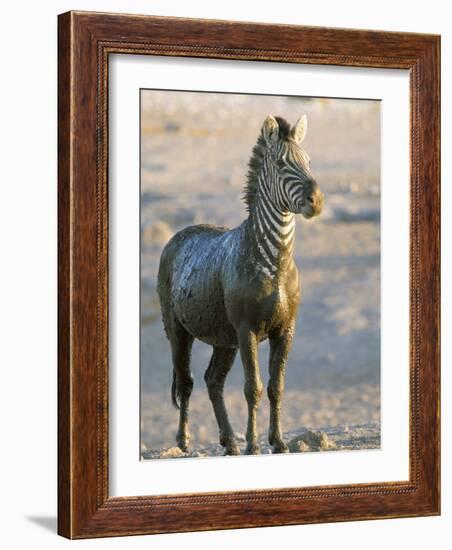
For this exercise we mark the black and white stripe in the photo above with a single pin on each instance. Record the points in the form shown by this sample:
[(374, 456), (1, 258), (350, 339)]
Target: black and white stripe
[(281, 193)]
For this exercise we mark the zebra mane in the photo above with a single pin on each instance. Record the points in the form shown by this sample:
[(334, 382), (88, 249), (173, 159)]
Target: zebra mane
[(251, 186)]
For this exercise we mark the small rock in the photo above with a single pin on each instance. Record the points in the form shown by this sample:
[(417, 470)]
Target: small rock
[(310, 441), (172, 452), (297, 445)]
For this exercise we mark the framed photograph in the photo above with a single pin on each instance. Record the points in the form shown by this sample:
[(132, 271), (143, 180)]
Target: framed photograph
[(248, 275)]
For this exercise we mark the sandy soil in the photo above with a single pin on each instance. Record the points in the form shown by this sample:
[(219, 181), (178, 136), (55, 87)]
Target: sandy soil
[(305, 440), (195, 149)]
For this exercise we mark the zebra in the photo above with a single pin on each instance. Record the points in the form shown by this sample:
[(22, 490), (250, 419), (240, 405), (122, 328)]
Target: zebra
[(234, 288)]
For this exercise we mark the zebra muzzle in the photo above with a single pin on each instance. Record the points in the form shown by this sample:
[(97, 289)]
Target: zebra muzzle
[(313, 205)]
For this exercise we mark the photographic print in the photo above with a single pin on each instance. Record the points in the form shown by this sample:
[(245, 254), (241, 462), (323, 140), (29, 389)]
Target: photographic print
[(248, 275), (260, 274)]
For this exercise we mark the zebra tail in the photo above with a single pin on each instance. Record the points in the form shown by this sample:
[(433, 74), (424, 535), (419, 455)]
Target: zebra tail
[(174, 391)]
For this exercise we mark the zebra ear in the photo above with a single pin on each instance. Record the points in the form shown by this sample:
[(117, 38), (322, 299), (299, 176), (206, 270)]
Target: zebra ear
[(270, 130), (299, 130)]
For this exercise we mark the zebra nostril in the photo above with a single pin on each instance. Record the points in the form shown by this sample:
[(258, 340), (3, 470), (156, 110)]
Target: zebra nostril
[(311, 199)]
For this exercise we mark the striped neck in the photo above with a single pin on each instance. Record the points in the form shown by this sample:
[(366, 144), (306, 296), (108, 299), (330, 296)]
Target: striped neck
[(272, 233)]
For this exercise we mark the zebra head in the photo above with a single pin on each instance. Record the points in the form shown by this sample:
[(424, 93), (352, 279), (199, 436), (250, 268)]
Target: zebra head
[(288, 180)]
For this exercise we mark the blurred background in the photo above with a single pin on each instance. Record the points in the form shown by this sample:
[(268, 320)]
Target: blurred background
[(194, 153)]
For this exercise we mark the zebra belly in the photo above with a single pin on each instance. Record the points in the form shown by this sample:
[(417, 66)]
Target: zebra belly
[(204, 317)]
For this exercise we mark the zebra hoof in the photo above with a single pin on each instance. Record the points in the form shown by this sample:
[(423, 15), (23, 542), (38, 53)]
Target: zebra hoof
[(280, 448), (252, 450), (182, 443), (230, 445), (232, 450)]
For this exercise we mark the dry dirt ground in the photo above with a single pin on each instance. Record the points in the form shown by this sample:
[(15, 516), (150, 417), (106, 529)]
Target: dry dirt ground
[(194, 154)]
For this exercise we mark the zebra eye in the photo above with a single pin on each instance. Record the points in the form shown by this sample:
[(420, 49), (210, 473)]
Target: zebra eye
[(280, 164)]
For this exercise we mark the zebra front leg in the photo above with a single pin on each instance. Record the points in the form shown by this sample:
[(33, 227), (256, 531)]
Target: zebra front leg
[(215, 376), (279, 349), (253, 386)]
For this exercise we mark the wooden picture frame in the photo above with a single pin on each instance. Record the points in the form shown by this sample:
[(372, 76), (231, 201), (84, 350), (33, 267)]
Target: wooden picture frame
[(85, 42)]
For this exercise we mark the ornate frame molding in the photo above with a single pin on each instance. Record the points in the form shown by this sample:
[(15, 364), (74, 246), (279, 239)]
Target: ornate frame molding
[(85, 42)]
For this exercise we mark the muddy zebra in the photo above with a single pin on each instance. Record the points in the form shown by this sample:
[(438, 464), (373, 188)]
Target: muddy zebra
[(234, 288)]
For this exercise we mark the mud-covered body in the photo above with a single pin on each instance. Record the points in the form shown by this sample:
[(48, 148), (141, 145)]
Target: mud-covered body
[(209, 282)]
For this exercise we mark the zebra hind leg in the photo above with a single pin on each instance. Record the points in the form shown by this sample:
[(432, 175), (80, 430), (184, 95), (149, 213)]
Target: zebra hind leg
[(215, 376), (181, 344)]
